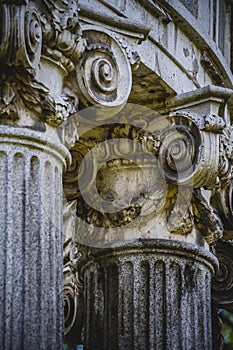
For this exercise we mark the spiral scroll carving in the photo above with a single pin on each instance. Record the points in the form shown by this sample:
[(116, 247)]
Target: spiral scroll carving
[(187, 154), (33, 37), (78, 171), (70, 305), (222, 288), (20, 36), (179, 150), (104, 73)]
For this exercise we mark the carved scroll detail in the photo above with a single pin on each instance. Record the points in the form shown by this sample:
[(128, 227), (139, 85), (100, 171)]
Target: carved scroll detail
[(29, 30), (222, 287), (20, 36), (189, 149), (104, 72), (184, 150)]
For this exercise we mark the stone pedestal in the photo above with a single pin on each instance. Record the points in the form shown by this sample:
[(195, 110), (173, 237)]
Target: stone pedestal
[(31, 289), (148, 294)]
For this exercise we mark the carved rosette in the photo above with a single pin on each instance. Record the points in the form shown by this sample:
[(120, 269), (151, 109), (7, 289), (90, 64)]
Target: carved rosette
[(104, 72)]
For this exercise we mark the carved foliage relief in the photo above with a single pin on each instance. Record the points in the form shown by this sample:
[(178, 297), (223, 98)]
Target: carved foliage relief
[(129, 165), (93, 65), (30, 31), (171, 160)]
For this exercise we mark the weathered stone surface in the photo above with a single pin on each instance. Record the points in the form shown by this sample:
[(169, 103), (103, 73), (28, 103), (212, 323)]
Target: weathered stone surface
[(139, 175), (149, 294), (223, 281), (31, 292), (148, 193), (33, 101)]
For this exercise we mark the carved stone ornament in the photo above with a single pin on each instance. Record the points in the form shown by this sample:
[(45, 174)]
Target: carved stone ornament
[(206, 218), (104, 72), (222, 287), (179, 211), (189, 152), (222, 196), (21, 34), (31, 33), (167, 167), (48, 33), (73, 294)]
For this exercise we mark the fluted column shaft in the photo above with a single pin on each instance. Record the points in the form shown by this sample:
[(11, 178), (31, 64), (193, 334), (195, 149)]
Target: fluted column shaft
[(151, 294), (31, 298)]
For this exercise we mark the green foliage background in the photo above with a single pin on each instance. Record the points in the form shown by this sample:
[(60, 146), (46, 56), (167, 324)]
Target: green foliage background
[(227, 319)]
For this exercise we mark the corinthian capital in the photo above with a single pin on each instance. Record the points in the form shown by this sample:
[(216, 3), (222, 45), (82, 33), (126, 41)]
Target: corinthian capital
[(39, 45), (48, 63)]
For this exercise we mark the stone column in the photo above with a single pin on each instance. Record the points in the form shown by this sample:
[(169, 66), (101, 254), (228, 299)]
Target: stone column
[(148, 294), (39, 45), (31, 298), (146, 229)]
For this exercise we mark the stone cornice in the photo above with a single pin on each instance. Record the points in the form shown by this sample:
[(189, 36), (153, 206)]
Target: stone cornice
[(120, 24), (187, 22)]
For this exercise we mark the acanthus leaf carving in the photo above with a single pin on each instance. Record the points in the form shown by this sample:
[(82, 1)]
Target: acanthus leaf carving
[(64, 14), (27, 33), (206, 218), (20, 84), (8, 105), (222, 195), (179, 213)]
